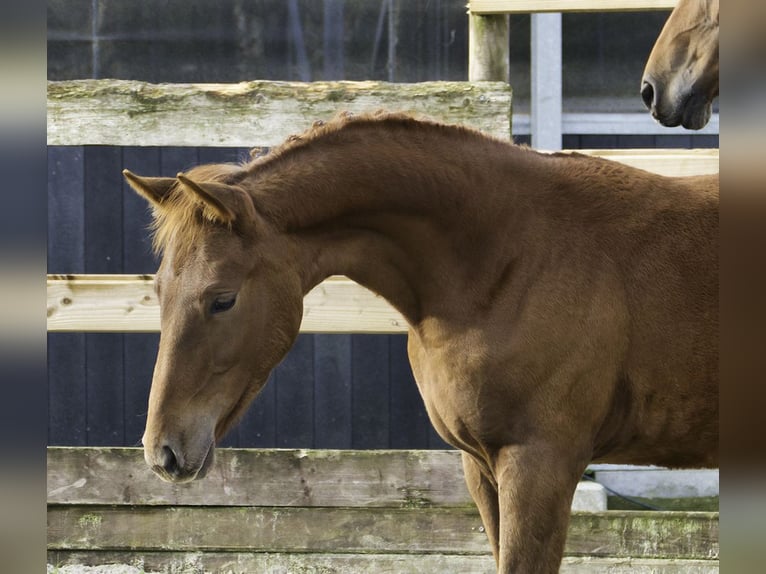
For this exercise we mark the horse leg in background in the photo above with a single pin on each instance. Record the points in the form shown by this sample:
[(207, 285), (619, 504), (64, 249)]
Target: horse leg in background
[(535, 487), (484, 494)]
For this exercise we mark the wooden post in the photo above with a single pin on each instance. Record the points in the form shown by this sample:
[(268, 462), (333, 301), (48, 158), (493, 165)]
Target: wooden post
[(488, 41)]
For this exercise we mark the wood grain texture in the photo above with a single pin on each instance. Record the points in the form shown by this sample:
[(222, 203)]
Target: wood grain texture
[(127, 303), (69, 562), (281, 477), (260, 113), (361, 530), (119, 562), (532, 6), (326, 511)]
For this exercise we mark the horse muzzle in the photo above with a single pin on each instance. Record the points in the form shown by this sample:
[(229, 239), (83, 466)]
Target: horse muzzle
[(171, 465)]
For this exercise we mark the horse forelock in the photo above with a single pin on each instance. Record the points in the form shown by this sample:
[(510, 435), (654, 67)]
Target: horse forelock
[(182, 219)]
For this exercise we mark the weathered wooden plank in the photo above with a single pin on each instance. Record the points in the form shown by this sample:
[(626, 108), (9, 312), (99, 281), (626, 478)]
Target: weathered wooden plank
[(119, 112), (686, 535), (121, 562), (263, 478), (669, 162), (127, 303), (488, 48), (533, 6), (267, 529)]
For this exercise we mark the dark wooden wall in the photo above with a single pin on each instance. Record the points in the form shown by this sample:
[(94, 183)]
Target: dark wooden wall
[(332, 391)]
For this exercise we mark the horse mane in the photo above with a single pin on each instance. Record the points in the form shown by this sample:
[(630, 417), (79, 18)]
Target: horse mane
[(183, 218), (260, 158)]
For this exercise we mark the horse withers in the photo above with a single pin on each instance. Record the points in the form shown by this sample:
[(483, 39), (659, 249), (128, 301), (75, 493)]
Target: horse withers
[(562, 309), (680, 79)]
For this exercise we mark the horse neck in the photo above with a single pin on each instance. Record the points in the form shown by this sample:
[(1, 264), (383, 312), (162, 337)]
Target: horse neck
[(394, 212)]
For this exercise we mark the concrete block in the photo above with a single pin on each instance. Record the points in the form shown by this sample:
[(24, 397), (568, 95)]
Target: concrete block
[(589, 497), (657, 482)]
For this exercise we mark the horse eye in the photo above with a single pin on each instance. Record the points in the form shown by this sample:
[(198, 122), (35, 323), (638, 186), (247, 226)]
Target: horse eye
[(223, 303)]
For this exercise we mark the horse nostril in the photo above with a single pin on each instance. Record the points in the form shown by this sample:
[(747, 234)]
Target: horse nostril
[(647, 94), (169, 461)]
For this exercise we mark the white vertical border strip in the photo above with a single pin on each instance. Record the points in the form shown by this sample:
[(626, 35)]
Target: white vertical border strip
[(546, 92)]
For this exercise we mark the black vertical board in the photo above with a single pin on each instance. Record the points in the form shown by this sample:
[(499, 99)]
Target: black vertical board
[(590, 141), (295, 396), (409, 421), (370, 394), (570, 141), (103, 209), (177, 159), (635, 141), (66, 254), (223, 154), (332, 391), (140, 353), (140, 349), (258, 428), (705, 141), (138, 257), (66, 210), (67, 416), (671, 140), (103, 254), (332, 41)]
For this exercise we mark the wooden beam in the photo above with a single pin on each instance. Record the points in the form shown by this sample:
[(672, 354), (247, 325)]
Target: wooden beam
[(685, 535), (369, 562), (532, 6), (488, 48), (127, 303), (263, 477), (670, 162), (260, 113)]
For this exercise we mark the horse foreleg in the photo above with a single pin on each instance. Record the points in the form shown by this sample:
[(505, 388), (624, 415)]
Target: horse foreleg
[(484, 494), (535, 490)]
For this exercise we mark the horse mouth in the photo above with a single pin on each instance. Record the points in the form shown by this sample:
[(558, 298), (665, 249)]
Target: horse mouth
[(693, 112), (171, 470), (696, 114)]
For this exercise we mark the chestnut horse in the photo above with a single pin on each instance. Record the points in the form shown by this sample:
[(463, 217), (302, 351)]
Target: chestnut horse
[(562, 309), (681, 76)]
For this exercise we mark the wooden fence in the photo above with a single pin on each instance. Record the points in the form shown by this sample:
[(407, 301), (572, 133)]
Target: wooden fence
[(264, 113), (490, 42), (301, 511), (285, 511)]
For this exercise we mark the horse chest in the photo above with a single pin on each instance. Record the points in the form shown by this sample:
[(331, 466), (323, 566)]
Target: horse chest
[(459, 397)]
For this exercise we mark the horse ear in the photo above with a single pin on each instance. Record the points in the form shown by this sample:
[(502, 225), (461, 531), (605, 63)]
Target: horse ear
[(225, 201), (153, 189)]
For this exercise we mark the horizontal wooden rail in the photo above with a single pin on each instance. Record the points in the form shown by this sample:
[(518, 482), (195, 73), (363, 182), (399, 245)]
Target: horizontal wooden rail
[(669, 162), (259, 113), (533, 6), (353, 511), (624, 534), (127, 303)]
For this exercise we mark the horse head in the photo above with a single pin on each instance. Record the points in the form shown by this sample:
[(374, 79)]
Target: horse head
[(681, 76), (229, 311)]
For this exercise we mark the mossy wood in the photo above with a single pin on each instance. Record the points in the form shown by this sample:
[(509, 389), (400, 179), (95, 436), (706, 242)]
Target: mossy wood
[(259, 113), (532, 6), (688, 535), (256, 477), (335, 511), (335, 563)]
